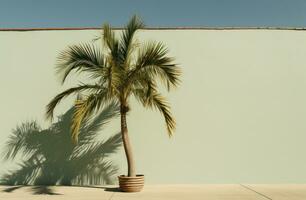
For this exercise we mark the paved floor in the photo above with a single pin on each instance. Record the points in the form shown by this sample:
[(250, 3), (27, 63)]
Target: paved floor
[(154, 192)]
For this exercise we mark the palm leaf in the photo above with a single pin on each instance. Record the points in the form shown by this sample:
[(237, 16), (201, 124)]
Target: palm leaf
[(127, 44), (152, 99), (75, 90), (152, 61), (81, 58), (84, 108)]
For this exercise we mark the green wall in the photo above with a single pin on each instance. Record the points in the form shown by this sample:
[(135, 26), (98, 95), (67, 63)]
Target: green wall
[(240, 110)]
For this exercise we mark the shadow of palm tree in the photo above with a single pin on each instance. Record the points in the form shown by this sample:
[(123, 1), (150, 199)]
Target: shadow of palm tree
[(50, 157), (12, 189), (42, 189)]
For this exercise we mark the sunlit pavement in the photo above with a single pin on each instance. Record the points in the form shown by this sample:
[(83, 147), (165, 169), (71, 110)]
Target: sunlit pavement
[(164, 192)]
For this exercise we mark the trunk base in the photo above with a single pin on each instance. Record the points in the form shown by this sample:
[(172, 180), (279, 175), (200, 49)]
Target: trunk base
[(131, 184)]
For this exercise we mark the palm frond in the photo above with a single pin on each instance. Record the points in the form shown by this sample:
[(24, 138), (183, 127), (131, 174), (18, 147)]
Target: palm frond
[(127, 44), (153, 61), (162, 105), (144, 83), (114, 72), (82, 57), (108, 37), (75, 90), (152, 99), (85, 108), (111, 42)]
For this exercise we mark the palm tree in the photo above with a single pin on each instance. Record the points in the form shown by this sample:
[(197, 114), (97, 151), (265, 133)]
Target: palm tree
[(123, 68), (62, 162)]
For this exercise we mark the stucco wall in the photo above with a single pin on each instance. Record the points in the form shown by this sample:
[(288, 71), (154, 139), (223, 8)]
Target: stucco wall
[(240, 110)]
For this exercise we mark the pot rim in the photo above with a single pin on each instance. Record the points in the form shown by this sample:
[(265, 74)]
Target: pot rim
[(130, 177)]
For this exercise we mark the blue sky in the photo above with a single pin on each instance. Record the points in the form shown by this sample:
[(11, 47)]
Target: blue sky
[(156, 13)]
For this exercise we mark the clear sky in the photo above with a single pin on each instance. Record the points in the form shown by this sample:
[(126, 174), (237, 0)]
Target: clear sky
[(156, 13)]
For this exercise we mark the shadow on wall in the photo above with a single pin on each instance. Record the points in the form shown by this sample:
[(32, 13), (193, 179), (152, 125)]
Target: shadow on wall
[(50, 157)]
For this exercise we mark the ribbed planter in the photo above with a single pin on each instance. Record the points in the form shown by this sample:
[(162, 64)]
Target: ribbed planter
[(131, 184)]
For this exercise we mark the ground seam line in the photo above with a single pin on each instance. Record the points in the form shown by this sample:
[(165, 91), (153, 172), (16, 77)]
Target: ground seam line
[(248, 188), (111, 197)]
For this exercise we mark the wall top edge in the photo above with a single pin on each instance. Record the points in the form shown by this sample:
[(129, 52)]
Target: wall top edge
[(157, 28)]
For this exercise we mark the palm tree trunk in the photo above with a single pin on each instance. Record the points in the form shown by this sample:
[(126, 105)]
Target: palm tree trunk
[(127, 145)]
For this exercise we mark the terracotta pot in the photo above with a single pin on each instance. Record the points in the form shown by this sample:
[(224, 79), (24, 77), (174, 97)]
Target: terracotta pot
[(131, 184)]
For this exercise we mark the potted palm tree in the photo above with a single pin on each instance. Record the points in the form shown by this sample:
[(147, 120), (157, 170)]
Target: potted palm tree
[(121, 69)]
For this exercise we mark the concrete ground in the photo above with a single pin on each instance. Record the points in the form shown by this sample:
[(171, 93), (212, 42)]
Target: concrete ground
[(154, 192)]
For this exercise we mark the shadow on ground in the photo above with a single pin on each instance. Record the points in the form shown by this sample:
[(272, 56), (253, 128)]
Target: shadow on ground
[(112, 189), (47, 190), (43, 190), (11, 189), (36, 190)]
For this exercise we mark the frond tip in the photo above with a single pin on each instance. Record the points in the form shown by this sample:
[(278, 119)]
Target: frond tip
[(158, 101), (127, 42)]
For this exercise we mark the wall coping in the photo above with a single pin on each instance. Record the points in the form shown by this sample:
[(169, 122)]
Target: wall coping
[(156, 28)]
